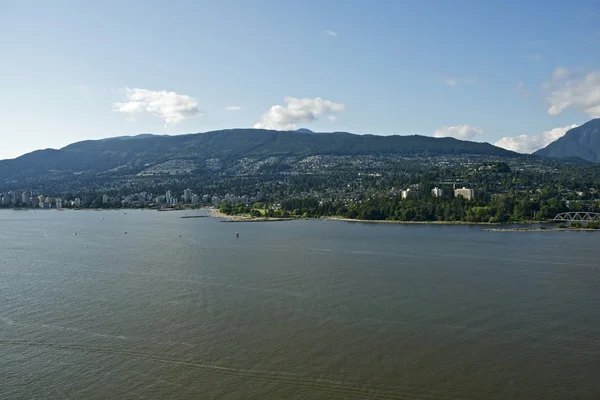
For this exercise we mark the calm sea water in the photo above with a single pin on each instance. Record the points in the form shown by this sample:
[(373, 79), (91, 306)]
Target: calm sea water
[(182, 309)]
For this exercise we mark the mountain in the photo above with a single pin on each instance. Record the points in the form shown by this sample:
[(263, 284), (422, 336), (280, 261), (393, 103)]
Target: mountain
[(582, 142), (140, 136), (133, 155)]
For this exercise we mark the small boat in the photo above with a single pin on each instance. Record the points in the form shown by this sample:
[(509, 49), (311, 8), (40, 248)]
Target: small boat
[(237, 234)]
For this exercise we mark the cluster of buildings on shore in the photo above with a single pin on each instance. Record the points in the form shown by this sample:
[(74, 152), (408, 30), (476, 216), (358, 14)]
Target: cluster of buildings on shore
[(169, 199), (27, 199), (415, 193)]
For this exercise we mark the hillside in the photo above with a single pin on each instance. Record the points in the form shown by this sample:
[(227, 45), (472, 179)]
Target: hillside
[(100, 156), (582, 142)]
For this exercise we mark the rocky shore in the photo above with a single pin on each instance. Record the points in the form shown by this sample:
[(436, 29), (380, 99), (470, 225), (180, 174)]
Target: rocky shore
[(215, 213)]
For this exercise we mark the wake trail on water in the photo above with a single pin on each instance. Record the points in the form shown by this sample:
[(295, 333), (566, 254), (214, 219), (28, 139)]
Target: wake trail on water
[(54, 327), (336, 387), (192, 279)]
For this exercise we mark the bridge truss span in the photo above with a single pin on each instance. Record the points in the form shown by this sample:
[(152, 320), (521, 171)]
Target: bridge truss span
[(577, 216)]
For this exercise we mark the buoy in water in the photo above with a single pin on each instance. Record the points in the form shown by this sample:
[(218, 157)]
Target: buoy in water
[(124, 233)]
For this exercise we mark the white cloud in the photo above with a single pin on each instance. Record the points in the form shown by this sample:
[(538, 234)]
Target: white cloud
[(297, 111), (535, 56), (454, 82), (450, 82), (531, 143), (332, 118), (569, 89), (168, 106), (522, 91), (463, 132), (560, 73), (233, 108), (331, 33)]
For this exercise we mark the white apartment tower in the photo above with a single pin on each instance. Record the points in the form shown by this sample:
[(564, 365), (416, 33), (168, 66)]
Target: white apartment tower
[(437, 192), (467, 194), (410, 194)]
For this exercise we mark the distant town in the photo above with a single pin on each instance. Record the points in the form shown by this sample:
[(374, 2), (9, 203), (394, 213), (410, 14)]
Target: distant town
[(443, 188), (29, 199)]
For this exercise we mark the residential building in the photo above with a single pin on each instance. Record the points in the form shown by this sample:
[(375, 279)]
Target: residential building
[(437, 192), (58, 202), (410, 194), (467, 194), (187, 195)]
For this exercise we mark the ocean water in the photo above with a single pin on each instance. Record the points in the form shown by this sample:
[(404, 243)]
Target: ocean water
[(182, 309)]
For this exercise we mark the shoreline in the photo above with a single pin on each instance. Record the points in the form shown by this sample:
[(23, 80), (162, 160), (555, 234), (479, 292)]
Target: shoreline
[(215, 213), (385, 221), (554, 229)]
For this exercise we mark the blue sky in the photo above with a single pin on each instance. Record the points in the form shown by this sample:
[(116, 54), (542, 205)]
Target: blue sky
[(480, 70)]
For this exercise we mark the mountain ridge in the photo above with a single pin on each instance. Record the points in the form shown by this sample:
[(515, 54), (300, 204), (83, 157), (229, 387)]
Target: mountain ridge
[(582, 141), (100, 156)]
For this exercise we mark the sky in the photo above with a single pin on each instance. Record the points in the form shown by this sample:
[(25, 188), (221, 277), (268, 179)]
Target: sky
[(515, 73)]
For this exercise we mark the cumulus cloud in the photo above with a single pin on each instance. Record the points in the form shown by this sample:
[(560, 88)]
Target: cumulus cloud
[(580, 91), (233, 108), (531, 143), (463, 132), (168, 106), (297, 111), (331, 33)]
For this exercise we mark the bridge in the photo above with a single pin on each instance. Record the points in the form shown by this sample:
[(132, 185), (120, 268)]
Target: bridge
[(577, 216)]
